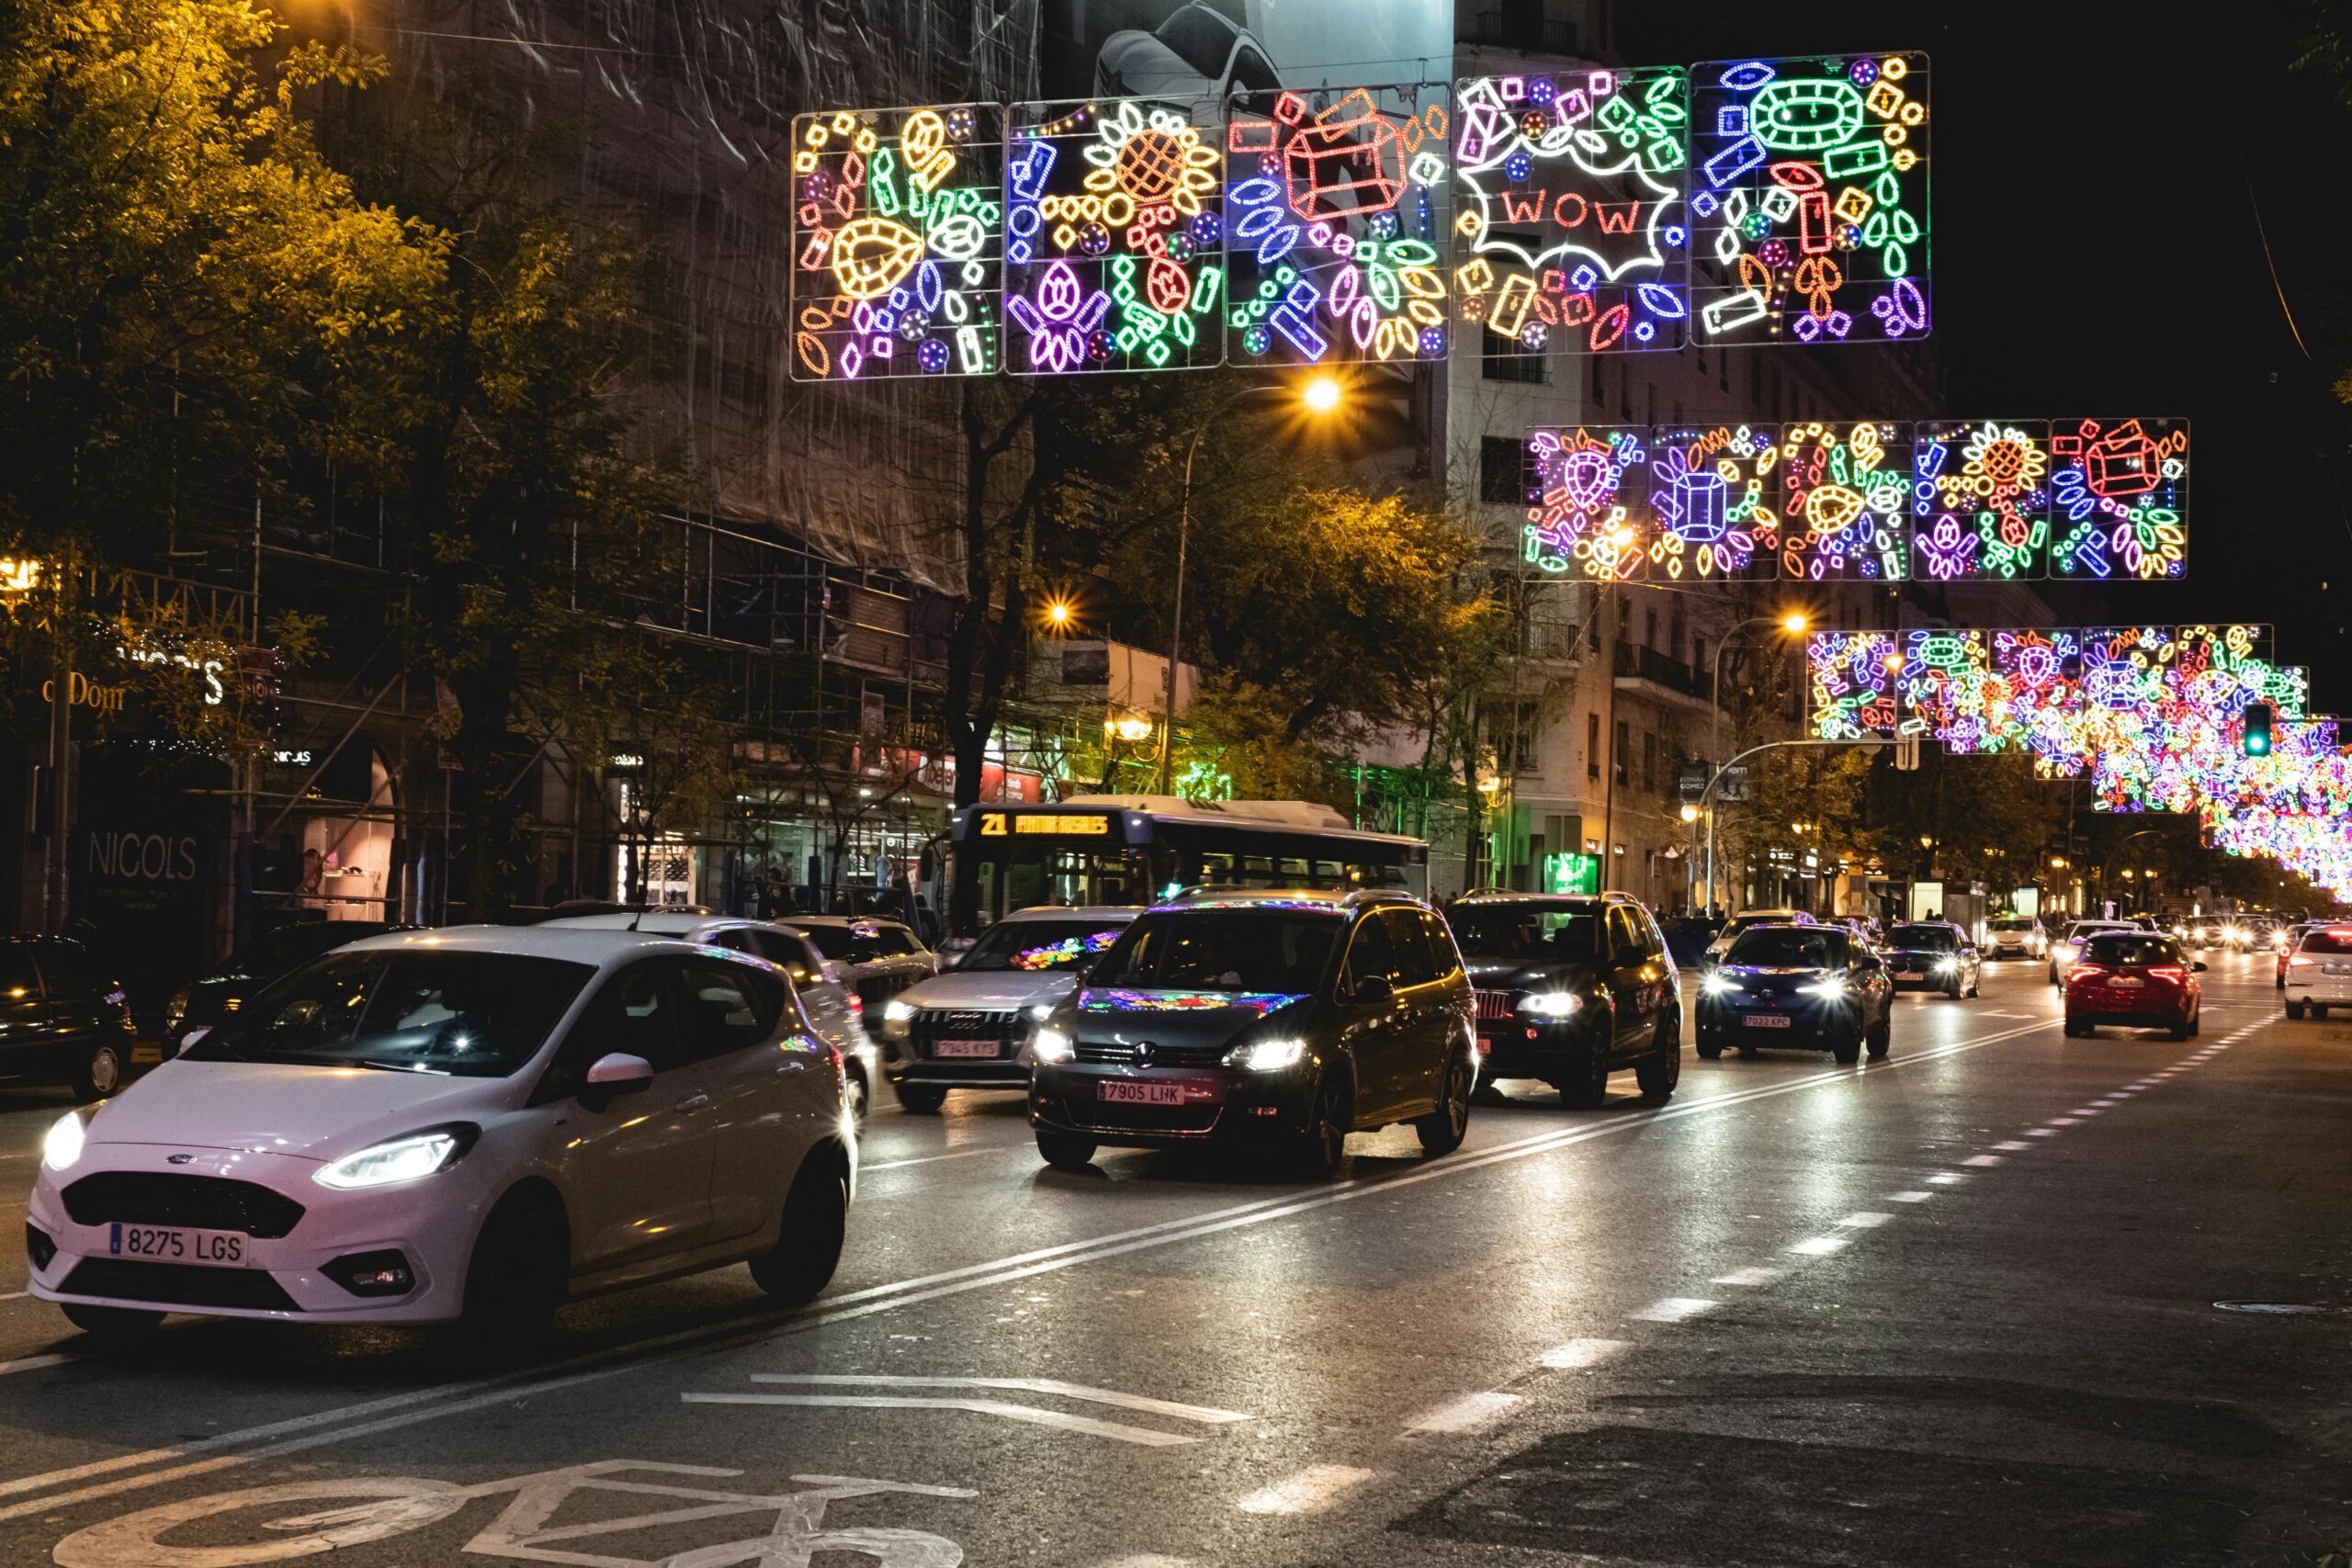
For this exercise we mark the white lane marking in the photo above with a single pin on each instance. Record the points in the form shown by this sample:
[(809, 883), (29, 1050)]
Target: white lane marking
[(1909, 1197), (1314, 1490), (1673, 1309), (458, 1399), (1867, 1219), (931, 1159), (1467, 1414), (2041, 1132), (1147, 1559), (2013, 1146), (1169, 1407), (2060, 1121), (1981, 1161), (15, 1296), (1818, 1246), (1578, 1354), (1003, 1409), (34, 1363), (1947, 1179), (1756, 1274)]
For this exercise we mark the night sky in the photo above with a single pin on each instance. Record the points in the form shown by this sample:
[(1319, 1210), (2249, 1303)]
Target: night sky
[(2096, 252)]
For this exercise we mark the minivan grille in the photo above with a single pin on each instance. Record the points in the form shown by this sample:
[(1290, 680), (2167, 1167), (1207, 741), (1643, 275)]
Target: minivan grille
[(158, 1198), (1108, 1054), (1495, 1004)]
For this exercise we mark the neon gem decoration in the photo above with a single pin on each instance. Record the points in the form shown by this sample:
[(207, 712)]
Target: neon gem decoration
[(1335, 225), (1808, 193), (897, 242), (2119, 495), (1114, 250)]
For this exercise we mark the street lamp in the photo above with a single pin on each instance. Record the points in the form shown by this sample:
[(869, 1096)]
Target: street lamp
[(1320, 395), (1793, 622)]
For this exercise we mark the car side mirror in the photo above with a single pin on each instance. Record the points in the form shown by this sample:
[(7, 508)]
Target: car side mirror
[(1374, 990), (2198, 967), (614, 1073)]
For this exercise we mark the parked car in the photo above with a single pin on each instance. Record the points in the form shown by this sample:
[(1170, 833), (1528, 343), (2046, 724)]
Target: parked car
[(1814, 987), (2290, 936), (1570, 990), (260, 961), (2063, 951), (881, 957), (1194, 58), (2016, 936), (835, 1012), (467, 1124), (1748, 919), (2137, 979), (968, 1026), (2319, 971), (1284, 1020), (1933, 956), (62, 1017)]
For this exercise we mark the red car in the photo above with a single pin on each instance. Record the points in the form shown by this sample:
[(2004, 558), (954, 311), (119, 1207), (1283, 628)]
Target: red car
[(2135, 979)]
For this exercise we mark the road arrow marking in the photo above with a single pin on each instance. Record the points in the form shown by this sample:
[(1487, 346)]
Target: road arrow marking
[(1167, 1407), (1001, 1408)]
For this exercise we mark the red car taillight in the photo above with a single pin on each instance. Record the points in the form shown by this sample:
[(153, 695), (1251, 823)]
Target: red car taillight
[(857, 1005), (2087, 971), (2168, 972)]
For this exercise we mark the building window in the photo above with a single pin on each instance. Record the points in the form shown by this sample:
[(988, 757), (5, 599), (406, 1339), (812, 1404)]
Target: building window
[(1649, 762), (1674, 631), (1592, 627), (1506, 359), (1699, 654), (1502, 470), (1624, 744), (1649, 630), (1510, 733), (1592, 745)]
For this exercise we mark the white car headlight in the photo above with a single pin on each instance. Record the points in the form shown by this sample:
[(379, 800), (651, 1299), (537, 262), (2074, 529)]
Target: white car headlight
[(1551, 1004), (1717, 986), (897, 1011), (1051, 1045), (400, 1160), (1830, 990), (1945, 966), (63, 1144), (1041, 1010), (1267, 1055)]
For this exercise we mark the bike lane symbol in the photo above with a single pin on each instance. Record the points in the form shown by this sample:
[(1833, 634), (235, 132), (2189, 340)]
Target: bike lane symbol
[(372, 1508)]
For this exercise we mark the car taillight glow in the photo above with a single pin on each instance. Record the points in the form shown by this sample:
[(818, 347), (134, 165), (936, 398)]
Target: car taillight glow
[(857, 1005), (2168, 971), (2088, 971)]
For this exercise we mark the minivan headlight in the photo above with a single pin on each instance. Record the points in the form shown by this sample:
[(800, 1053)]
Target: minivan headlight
[(405, 1158), (1551, 1004), (63, 1146), (1050, 1045), (1718, 985), (1829, 990), (1267, 1055)]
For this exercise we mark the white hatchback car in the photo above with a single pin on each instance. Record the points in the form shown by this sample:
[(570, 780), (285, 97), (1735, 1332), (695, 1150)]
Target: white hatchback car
[(2319, 971), (467, 1124)]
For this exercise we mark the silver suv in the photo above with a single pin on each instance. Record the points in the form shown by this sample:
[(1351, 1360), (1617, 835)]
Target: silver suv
[(833, 1009), (880, 958), (968, 1027)]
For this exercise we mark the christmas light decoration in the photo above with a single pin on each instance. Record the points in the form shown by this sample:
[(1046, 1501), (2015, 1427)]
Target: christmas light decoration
[(896, 241), (1867, 501), (1335, 226), (1568, 223), (1113, 248), (2118, 497), (1809, 199)]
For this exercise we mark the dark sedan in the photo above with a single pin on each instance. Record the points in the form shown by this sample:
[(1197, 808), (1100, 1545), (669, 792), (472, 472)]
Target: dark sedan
[(1814, 987), (61, 1017), (255, 965), (1933, 956)]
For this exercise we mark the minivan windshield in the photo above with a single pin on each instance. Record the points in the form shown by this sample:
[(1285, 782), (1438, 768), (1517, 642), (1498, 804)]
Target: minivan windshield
[(1923, 938), (1257, 950), (1040, 945), (1788, 947), (466, 1014), (1530, 933)]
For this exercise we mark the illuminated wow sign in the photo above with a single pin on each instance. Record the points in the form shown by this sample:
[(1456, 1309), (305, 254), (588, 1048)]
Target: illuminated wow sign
[(1114, 250), (1335, 225), (1809, 199), (896, 241), (1568, 216)]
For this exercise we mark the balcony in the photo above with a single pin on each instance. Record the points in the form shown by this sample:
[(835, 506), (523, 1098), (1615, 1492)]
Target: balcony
[(1645, 672)]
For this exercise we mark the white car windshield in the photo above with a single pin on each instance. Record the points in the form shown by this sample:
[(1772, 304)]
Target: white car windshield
[(1040, 945), (467, 1014)]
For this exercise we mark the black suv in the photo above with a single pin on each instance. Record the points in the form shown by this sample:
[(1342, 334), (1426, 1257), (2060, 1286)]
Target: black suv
[(1284, 1019), (61, 1017), (265, 958), (1570, 990)]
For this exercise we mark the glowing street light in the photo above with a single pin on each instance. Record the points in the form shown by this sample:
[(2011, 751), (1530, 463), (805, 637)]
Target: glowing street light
[(1322, 394)]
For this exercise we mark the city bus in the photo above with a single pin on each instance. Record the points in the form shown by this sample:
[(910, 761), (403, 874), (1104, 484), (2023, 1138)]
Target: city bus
[(1134, 849)]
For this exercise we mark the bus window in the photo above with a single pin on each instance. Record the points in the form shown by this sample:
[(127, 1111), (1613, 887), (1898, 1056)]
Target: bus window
[(1214, 870), (1293, 870), (1257, 870), (1329, 873)]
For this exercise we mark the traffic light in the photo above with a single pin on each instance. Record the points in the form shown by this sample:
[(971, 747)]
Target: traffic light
[(2254, 738)]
